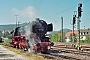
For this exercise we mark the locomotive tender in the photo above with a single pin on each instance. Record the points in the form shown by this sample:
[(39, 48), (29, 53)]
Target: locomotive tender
[(32, 36)]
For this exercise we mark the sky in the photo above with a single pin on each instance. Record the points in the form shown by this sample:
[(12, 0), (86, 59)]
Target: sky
[(49, 10)]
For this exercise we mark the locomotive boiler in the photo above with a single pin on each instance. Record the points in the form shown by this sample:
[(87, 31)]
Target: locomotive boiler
[(32, 36)]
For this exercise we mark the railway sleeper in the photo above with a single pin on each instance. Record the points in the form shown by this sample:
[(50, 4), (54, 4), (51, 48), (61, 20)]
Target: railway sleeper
[(85, 49), (50, 57), (65, 57)]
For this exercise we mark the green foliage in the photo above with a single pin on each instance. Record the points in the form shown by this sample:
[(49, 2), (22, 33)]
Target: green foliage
[(60, 37), (57, 37), (87, 37), (54, 37), (74, 37), (86, 41), (6, 42), (0, 35), (70, 37)]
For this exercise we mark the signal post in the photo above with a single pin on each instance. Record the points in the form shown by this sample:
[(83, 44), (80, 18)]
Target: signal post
[(78, 24), (73, 24)]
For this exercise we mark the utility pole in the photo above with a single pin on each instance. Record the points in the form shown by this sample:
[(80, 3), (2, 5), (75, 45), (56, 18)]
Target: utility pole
[(62, 29), (73, 35), (18, 23), (16, 20), (78, 23)]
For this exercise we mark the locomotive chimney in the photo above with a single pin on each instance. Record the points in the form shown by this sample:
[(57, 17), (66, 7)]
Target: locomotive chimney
[(37, 19)]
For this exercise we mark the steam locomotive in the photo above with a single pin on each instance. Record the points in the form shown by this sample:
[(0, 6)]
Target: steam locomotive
[(32, 36)]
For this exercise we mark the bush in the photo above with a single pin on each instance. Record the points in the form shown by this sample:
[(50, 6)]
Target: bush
[(85, 41), (54, 38), (6, 42)]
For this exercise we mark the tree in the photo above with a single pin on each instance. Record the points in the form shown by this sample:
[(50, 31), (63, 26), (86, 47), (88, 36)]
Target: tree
[(54, 37), (60, 36), (88, 39), (57, 37), (70, 37), (75, 39)]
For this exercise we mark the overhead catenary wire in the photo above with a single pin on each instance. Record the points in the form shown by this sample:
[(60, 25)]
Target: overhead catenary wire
[(66, 9)]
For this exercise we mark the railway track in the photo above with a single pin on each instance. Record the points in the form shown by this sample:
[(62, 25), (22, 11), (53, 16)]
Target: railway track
[(61, 52), (55, 56)]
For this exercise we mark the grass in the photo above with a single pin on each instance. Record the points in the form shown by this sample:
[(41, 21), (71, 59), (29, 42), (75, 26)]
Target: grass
[(6, 42), (24, 53), (85, 41)]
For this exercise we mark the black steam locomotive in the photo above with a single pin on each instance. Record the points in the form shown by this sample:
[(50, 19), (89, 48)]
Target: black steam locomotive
[(32, 36)]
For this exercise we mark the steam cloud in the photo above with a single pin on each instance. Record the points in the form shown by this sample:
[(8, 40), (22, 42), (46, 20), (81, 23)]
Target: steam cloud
[(27, 29), (29, 12)]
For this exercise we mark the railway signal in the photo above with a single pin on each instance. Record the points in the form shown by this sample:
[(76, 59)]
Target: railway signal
[(79, 10), (78, 24), (74, 19)]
